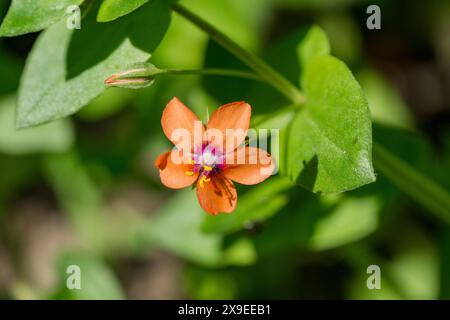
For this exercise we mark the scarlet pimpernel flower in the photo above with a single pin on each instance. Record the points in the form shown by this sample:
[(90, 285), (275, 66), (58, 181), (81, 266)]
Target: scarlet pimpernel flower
[(211, 158)]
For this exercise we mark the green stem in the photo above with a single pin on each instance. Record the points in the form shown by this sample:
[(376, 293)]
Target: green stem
[(413, 183), (266, 72), (214, 72)]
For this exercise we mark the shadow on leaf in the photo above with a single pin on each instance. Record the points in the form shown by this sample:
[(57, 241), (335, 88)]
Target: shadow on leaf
[(94, 42)]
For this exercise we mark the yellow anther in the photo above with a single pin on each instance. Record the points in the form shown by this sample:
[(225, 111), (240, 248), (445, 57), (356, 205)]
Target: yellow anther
[(191, 161), (189, 173), (203, 179), (207, 168)]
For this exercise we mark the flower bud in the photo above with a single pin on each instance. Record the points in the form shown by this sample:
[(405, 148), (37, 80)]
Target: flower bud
[(135, 76)]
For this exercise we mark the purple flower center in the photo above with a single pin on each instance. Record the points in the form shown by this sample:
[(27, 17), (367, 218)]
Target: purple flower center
[(208, 160)]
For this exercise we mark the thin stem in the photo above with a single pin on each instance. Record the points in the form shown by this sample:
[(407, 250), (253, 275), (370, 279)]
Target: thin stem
[(410, 181), (214, 72), (266, 72)]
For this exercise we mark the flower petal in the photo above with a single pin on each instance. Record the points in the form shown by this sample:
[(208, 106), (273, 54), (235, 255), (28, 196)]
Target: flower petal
[(234, 116), (218, 195), (249, 165), (175, 170), (161, 161), (182, 126)]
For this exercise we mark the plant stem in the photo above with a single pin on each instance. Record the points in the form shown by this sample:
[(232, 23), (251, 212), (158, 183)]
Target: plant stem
[(266, 72), (214, 72), (423, 190)]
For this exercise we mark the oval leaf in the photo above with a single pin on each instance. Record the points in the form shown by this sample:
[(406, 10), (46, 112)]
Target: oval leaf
[(25, 16), (329, 146), (113, 9), (66, 69), (315, 44)]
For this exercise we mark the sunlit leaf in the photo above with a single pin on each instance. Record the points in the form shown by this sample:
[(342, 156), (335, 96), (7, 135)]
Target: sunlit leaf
[(113, 9), (314, 44), (330, 142), (26, 16), (66, 69)]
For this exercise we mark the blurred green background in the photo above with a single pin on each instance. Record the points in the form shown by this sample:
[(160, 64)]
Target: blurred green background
[(83, 190)]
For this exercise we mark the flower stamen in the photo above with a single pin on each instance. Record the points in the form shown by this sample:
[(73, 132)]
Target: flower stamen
[(204, 179)]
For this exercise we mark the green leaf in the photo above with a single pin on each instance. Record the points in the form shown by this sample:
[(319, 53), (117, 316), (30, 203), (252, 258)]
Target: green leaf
[(113, 9), (315, 44), (26, 16), (52, 137), (98, 282), (66, 69), (330, 142), (257, 205)]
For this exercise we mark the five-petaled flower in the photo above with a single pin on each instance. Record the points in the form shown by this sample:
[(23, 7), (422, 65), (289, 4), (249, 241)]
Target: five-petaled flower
[(212, 157)]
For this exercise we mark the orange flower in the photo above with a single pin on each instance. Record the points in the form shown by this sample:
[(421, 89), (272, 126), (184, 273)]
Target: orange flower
[(213, 157)]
